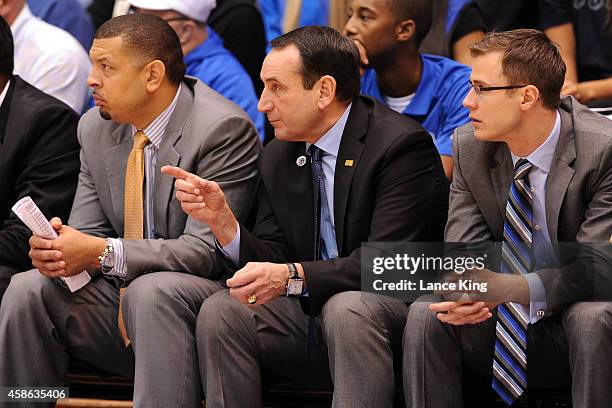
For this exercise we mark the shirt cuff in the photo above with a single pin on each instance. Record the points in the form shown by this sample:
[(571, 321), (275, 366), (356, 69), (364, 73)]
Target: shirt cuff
[(232, 250), (120, 268), (537, 298)]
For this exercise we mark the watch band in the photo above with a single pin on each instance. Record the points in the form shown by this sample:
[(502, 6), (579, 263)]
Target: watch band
[(107, 257), (295, 283), (293, 273)]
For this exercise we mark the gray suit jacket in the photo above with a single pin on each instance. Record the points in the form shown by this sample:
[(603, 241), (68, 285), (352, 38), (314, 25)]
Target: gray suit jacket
[(207, 135), (578, 189)]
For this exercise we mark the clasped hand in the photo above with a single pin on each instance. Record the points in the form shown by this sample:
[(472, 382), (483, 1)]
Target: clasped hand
[(474, 306), (266, 280), (68, 254)]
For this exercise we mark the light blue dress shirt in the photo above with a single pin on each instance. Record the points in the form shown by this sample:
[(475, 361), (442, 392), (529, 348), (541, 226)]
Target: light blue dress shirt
[(330, 144), (545, 257)]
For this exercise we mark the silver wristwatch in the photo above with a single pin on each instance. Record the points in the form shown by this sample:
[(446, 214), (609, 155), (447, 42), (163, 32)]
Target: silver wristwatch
[(107, 257), (295, 284)]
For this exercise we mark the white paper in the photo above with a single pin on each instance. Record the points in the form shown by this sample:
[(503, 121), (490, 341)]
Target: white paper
[(28, 212)]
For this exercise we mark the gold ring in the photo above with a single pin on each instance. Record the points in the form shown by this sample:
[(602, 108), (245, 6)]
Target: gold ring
[(252, 299)]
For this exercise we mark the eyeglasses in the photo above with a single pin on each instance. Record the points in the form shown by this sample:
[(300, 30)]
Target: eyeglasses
[(480, 89)]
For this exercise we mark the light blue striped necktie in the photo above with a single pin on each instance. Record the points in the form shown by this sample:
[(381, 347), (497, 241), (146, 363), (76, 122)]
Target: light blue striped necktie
[(510, 358)]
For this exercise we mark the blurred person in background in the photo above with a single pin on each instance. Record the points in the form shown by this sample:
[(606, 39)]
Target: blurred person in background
[(456, 24), (583, 30), (282, 16), (240, 24), (427, 88), (47, 56), (68, 15), (205, 56)]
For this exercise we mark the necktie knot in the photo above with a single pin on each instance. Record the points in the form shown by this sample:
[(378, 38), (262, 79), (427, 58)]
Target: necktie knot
[(315, 153), (522, 168), (140, 140)]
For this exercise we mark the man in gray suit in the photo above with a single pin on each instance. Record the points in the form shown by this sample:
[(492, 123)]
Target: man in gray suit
[(139, 88), (535, 170)]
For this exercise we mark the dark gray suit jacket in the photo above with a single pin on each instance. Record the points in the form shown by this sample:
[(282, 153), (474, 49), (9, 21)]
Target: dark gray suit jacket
[(207, 135), (578, 196)]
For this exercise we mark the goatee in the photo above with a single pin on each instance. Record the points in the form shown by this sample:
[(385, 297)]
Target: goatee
[(105, 115)]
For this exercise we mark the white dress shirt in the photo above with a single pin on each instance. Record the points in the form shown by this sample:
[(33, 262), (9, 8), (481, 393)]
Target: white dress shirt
[(50, 59)]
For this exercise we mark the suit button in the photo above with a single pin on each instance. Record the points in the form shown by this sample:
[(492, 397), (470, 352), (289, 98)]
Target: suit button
[(540, 313), (537, 227)]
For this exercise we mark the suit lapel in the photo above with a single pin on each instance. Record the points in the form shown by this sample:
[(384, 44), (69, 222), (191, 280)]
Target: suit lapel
[(501, 175), (560, 175), (299, 196), (168, 155), (351, 148), (116, 160)]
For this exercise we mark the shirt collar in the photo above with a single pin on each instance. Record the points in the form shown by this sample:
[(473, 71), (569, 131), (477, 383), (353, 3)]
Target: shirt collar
[(330, 142), (24, 16), (542, 157), (155, 130), (423, 95), (4, 92)]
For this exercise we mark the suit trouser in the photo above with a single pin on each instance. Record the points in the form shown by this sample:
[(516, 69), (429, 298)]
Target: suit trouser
[(572, 347), (356, 335), (42, 325)]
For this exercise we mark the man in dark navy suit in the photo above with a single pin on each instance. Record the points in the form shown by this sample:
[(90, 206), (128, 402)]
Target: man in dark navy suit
[(343, 170)]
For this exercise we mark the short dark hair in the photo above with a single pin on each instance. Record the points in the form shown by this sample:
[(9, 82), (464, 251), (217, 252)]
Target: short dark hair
[(530, 57), (149, 38), (419, 11), (7, 49), (324, 51)]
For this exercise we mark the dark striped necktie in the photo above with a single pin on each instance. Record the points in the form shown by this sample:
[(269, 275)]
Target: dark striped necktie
[(510, 358), (318, 179)]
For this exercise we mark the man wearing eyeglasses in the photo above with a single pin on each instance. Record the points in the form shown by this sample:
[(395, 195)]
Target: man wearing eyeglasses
[(531, 171), (427, 88), (205, 56)]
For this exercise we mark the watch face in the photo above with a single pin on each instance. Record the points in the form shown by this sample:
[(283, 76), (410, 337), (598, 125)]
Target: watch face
[(108, 261), (294, 287)]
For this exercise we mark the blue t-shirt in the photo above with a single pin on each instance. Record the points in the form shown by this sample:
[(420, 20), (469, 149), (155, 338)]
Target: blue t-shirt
[(438, 100), (68, 15), (313, 12), (219, 69)]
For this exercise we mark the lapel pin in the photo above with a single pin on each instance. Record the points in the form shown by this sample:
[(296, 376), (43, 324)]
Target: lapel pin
[(301, 161), (348, 163)]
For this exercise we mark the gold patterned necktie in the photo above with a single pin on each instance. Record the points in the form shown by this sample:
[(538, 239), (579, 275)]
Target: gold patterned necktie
[(133, 206)]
